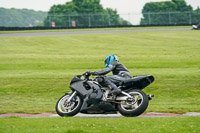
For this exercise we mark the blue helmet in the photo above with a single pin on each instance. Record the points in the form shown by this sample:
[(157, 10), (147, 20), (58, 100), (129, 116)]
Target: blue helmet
[(109, 59)]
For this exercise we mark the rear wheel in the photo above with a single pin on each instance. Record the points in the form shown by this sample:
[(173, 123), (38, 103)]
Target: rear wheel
[(68, 108), (134, 106)]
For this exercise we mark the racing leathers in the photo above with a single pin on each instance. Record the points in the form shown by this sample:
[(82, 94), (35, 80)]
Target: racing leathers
[(120, 73)]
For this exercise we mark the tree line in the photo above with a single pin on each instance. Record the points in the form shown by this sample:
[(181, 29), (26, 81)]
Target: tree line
[(83, 13), (90, 13), (21, 17), (169, 12)]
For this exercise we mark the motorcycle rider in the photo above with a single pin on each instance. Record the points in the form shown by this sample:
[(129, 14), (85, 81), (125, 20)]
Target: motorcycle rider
[(196, 27), (120, 73)]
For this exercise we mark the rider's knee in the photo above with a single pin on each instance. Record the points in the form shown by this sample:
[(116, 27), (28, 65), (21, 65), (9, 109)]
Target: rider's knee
[(100, 80)]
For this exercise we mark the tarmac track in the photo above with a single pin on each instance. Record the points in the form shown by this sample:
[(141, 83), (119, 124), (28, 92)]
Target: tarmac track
[(87, 32), (151, 114)]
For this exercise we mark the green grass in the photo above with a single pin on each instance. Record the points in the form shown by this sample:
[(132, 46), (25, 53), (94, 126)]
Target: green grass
[(36, 71), (100, 125)]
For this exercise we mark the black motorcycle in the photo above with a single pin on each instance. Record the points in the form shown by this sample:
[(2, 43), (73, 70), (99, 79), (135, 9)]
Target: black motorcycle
[(89, 97), (196, 27)]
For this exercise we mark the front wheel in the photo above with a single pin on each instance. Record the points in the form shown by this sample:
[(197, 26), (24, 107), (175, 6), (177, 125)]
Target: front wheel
[(134, 106), (68, 108)]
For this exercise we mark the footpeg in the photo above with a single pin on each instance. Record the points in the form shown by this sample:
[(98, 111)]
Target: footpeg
[(150, 96)]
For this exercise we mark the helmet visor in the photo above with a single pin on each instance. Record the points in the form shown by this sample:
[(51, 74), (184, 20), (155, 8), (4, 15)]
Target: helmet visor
[(106, 61)]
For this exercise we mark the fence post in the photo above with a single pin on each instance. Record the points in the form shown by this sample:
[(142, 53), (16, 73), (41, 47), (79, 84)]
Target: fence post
[(109, 20), (49, 21), (169, 18), (149, 19), (69, 20), (89, 21), (190, 16)]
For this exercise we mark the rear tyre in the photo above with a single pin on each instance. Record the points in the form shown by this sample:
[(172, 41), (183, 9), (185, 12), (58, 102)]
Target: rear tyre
[(71, 108), (134, 106)]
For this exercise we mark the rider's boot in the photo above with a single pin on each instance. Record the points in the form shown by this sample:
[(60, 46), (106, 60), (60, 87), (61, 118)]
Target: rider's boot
[(114, 90), (105, 82)]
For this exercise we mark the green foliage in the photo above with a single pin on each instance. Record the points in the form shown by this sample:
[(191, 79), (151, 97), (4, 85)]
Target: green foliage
[(159, 7), (169, 12), (21, 17), (84, 13), (88, 6), (196, 16)]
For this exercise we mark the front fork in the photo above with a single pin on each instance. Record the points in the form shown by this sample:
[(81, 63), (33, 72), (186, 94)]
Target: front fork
[(72, 95)]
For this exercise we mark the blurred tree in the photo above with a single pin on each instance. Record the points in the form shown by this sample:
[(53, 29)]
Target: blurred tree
[(196, 16), (84, 13), (169, 12), (21, 17), (182, 6)]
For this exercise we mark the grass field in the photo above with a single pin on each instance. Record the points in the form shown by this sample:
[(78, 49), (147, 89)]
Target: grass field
[(100, 125), (36, 71)]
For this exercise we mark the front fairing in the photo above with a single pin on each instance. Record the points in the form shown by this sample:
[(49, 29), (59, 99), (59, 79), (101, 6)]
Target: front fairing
[(84, 87), (80, 88)]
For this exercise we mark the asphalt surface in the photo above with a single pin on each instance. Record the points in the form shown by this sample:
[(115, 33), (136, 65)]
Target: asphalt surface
[(151, 114), (87, 32)]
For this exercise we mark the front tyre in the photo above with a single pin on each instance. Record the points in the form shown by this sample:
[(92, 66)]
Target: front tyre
[(134, 106), (71, 108)]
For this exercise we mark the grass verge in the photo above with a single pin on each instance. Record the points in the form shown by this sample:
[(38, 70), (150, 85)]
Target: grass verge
[(36, 71)]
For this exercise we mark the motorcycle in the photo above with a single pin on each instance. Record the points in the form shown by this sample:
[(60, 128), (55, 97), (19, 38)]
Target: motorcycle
[(89, 97), (196, 27)]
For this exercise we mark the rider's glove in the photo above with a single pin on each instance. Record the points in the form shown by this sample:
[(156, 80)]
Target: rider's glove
[(93, 73)]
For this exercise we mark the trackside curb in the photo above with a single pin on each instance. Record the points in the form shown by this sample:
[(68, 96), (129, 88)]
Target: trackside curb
[(151, 114)]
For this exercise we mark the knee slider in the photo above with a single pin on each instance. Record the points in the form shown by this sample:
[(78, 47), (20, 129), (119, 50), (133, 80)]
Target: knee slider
[(100, 79)]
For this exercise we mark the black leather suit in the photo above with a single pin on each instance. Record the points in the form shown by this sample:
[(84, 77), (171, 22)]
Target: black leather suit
[(120, 73)]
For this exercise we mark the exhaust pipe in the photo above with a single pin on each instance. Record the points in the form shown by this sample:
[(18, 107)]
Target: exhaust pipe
[(150, 96)]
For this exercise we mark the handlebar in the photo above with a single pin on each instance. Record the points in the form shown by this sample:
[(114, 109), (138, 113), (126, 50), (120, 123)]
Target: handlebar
[(86, 75)]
